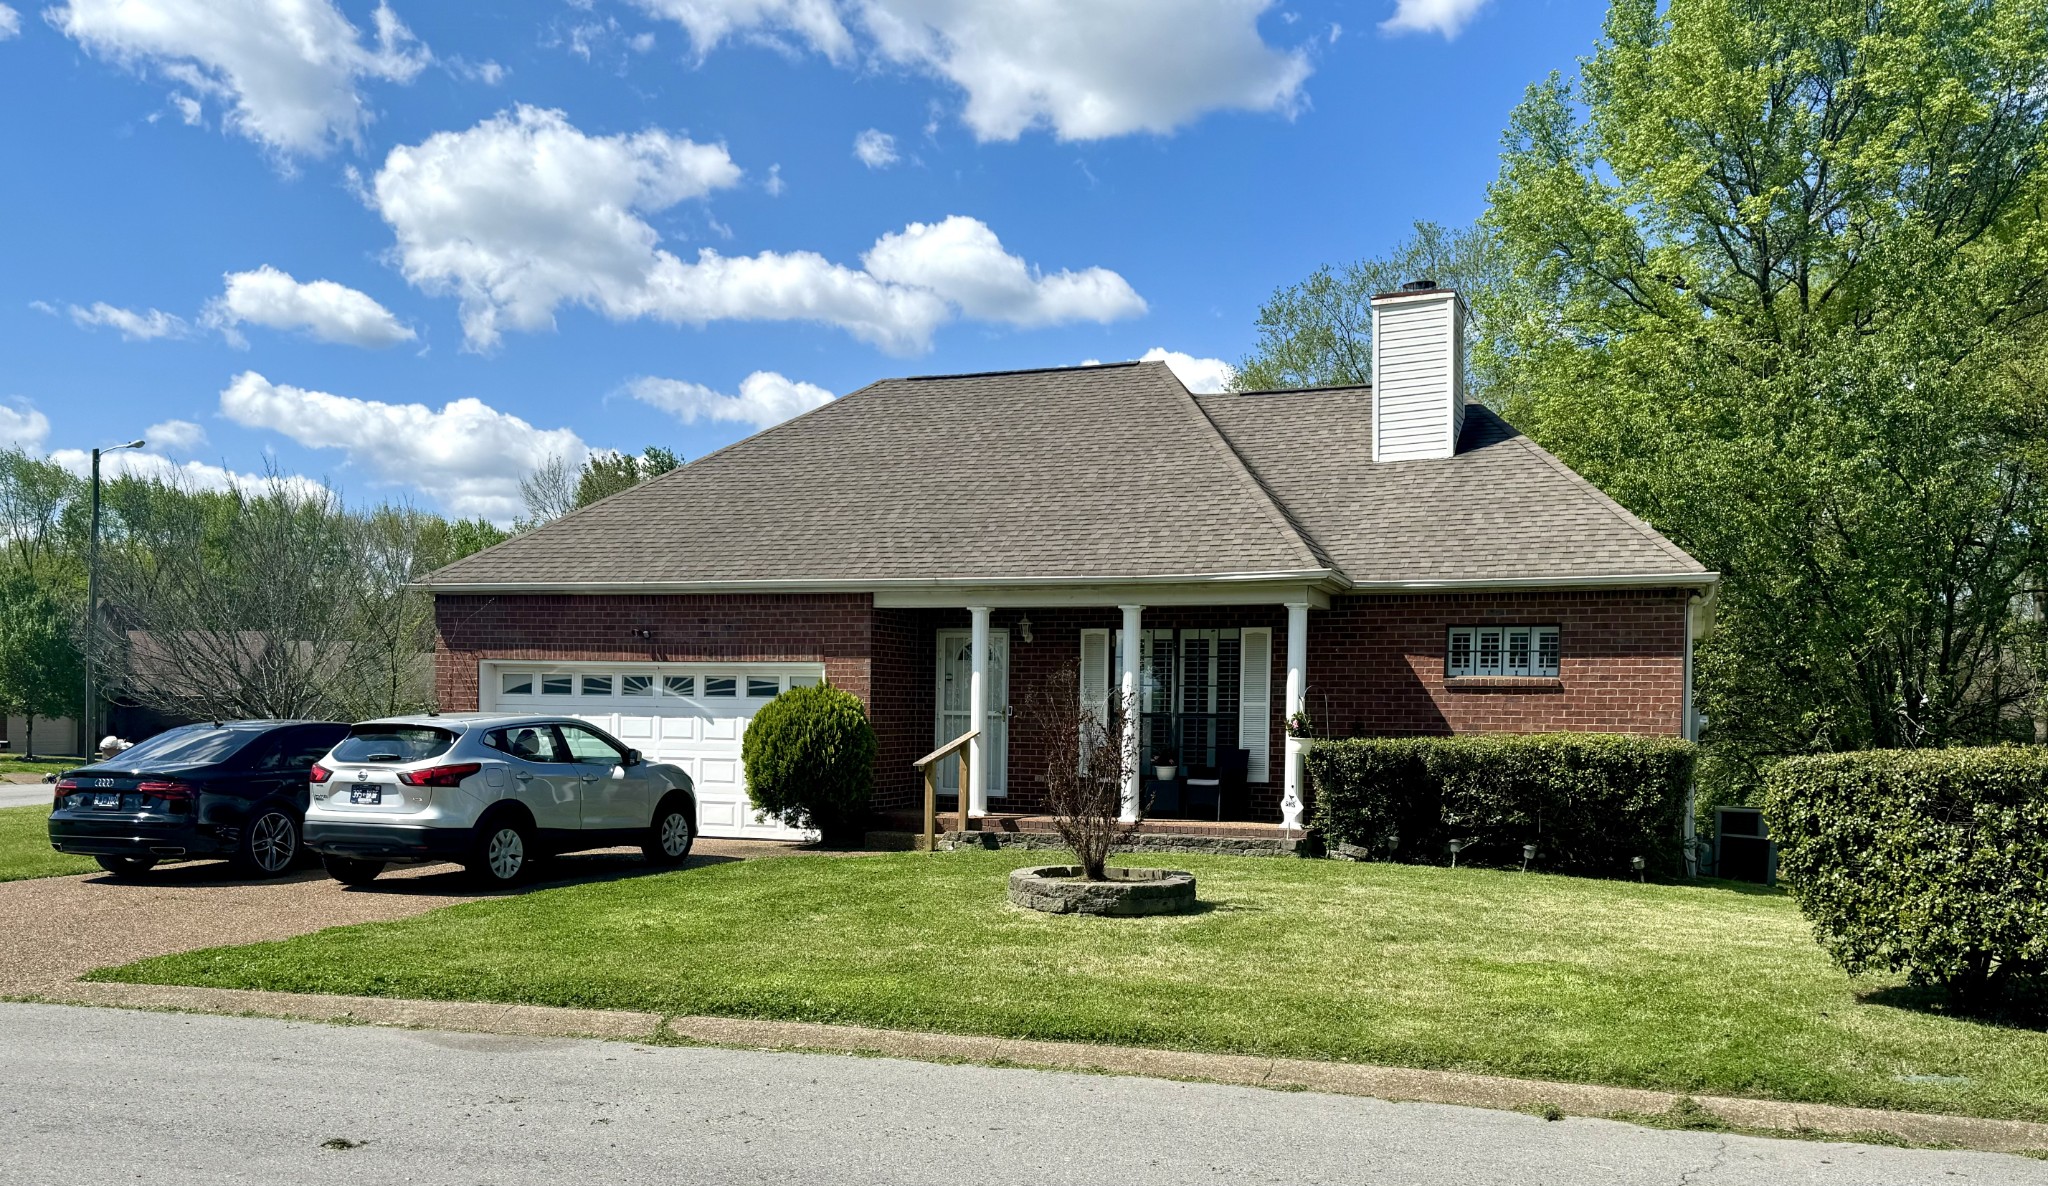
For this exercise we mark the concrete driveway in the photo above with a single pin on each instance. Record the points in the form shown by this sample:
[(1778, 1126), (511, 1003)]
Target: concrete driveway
[(55, 929)]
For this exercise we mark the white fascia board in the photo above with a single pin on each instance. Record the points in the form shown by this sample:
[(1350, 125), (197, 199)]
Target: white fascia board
[(1652, 580), (950, 591)]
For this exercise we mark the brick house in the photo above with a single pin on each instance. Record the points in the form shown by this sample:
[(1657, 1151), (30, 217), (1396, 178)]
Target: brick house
[(1390, 560)]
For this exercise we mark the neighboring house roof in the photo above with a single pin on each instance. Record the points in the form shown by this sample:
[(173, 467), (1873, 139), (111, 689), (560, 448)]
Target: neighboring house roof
[(1084, 474)]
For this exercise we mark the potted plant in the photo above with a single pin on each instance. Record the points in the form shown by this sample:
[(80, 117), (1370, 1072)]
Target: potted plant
[(1298, 724), (1165, 763)]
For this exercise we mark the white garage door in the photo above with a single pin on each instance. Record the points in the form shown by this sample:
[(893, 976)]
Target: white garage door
[(691, 716)]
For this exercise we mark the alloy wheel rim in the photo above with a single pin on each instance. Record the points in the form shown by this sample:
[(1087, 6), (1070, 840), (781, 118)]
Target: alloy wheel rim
[(508, 852), (270, 842), (675, 834)]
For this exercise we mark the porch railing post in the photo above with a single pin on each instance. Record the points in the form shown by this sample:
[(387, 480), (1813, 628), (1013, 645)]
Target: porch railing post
[(965, 795), (931, 809)]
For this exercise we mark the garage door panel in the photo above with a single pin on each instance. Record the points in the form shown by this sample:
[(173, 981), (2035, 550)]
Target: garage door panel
[(668, 718)]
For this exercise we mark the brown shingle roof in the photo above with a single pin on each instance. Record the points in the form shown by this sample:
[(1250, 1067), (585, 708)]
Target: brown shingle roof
[(1501, 509), (1086, 474)]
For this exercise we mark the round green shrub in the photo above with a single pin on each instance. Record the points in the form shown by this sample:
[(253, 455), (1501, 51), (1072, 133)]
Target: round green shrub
[(1933, 863), (810, 759)]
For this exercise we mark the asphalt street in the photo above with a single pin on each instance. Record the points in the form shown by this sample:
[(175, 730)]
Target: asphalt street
[(103, 1096), (24, 794)]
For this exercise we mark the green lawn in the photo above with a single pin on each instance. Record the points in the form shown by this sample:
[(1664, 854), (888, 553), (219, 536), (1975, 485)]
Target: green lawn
[(1694, 989), (25, 847), (16, 764)]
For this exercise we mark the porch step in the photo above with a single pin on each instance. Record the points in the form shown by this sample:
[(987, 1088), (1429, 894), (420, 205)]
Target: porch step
[(1271, 845)]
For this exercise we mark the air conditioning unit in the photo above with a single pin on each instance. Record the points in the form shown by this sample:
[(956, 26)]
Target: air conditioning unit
[(1743, 848)]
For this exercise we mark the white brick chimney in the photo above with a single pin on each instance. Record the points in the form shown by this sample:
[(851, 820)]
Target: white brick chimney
[(1418, 372)]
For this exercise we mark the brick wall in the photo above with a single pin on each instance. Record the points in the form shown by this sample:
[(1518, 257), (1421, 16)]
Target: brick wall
[(1376, 664), (833, 629)]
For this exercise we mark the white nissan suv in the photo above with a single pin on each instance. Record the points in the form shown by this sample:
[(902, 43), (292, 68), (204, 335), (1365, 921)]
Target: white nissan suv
[(492, 791)]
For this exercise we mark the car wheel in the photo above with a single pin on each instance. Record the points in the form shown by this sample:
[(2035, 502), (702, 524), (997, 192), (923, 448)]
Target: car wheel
[(269, 844), (670, 835), (350, 871), (127, 866), (501, 853)]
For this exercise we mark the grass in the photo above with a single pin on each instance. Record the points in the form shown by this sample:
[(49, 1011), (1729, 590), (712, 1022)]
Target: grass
[(25, 850), (16, 764), (1690, 989)]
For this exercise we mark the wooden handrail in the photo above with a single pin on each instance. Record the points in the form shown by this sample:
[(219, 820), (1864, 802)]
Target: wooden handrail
[(929, 764), (947, 748)]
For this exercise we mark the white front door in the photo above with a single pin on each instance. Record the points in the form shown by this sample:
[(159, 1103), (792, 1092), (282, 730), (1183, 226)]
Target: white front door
[(956, 670)]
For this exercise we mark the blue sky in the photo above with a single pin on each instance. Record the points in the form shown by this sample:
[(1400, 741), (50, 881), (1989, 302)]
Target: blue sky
[(412, 249)]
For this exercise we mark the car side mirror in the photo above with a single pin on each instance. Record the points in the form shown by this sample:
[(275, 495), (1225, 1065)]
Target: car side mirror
[(633, 757)]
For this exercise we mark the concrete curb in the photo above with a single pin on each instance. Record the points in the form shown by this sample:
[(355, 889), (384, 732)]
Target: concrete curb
[(1389, 1083)]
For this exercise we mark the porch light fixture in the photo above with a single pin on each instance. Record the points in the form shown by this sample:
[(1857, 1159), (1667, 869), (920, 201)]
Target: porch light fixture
[(1024, 627), (1528, 854)]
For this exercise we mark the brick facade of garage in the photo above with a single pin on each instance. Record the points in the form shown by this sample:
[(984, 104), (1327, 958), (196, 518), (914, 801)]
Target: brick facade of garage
[(1375, 662)]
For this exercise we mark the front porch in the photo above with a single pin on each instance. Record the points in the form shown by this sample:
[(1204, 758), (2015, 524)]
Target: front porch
[(1212, 673), (904, 830)]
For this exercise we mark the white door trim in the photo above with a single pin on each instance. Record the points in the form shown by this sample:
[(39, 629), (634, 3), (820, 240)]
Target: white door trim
[(998, 703)]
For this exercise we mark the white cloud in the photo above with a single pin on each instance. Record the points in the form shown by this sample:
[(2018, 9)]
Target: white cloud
[(1087, 69), (22, 427), (1448, 17), (328, 311), (195, 474), (524, 213), (766, 398), (487, 72), (709, 22), (135, 327), (467, 456), (179, 436), (285, 70), (1204, 375), (962, 261), (875, 148), (10, 23)]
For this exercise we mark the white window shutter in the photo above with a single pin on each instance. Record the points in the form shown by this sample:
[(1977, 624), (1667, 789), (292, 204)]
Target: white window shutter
[(1255, 702)]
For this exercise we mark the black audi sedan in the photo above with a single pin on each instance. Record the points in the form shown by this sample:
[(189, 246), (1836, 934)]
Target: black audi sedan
[(236, 790)]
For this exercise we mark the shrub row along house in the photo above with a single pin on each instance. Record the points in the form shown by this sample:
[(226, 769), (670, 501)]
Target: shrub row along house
[(1386, 560)]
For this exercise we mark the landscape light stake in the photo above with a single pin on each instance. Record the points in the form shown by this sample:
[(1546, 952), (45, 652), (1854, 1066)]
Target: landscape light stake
[(92, 594), (1636, 863), (1528, 854), (1457, 846)]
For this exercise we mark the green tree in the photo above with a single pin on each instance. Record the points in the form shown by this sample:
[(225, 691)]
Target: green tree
[(41, 674), (605, 474), (1318, 332), (1787, 264)]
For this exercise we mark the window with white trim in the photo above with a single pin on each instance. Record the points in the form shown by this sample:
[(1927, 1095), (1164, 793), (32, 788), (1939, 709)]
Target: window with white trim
[(557, 685), (1501, 650)]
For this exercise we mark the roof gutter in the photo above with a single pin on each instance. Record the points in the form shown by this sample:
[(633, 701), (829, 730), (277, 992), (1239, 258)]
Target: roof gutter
[(1324, 576), (1641, 580)]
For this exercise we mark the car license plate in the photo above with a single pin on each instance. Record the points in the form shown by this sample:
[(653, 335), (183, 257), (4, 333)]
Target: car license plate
[(366, 792), (106, 800)]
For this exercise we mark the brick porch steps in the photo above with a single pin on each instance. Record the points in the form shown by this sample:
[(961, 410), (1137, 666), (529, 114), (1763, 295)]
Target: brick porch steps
[(910, 821)]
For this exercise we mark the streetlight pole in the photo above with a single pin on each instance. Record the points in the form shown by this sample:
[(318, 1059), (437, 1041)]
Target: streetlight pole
[(92, 596)]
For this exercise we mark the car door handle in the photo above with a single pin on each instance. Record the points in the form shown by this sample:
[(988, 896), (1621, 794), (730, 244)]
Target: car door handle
[(523, 775), (590, 778)]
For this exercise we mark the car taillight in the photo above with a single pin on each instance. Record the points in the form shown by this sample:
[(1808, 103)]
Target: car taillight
[(168, 790), (320, 773), (65, 786), (439, 776)]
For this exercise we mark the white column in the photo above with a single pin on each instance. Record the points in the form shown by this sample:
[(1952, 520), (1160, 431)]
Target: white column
[(1297, 698), (1129, 694), (977, 714)]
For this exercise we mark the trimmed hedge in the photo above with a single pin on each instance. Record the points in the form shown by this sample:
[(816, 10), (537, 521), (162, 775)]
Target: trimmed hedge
[(1929, 862), (1590, 802), (810, 759)]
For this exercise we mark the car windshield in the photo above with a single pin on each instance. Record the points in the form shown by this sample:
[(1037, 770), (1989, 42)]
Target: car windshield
[(392, 743), (190, 745)]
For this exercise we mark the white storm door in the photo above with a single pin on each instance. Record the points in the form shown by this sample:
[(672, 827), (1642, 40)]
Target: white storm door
[(956, 671)]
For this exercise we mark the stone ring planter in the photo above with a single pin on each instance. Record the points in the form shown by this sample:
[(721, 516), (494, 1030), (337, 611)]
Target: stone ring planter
[(1058, 889)]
